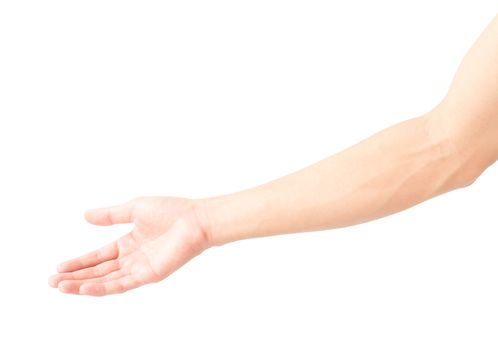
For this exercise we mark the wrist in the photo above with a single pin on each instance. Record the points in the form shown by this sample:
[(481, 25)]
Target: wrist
[(246, 214), (229, 218), (202, 210)]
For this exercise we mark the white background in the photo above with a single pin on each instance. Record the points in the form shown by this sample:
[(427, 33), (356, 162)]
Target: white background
[(103, 101)]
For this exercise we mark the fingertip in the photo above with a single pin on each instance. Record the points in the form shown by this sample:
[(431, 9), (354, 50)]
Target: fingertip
[(100, 217), (69, 286), (53, 281), (62, 267), (91, 216), (86, 214), (118, 214), (63, 287)]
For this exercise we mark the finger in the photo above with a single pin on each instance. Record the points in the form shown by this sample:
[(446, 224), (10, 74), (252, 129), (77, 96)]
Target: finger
[(73, 286), (90, 272), (119, 285), (120, 214), (94, 258)]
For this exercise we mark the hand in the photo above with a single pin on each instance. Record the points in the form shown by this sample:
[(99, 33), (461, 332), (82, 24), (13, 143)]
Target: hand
[(168, 232)]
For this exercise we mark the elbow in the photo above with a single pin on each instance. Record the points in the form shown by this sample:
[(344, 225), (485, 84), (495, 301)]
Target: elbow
[(468, 176), (471, 167), (467, 166), (473, 155), (468, 157), (460, 171)]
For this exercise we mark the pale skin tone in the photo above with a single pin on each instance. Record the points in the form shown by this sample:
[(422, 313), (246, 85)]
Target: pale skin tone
[(445, 149)]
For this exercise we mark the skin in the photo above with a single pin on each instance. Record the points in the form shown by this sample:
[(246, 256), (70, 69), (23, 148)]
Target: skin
[(397, 168)]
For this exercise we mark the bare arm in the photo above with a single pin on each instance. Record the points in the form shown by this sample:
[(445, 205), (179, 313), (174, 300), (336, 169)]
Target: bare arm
[(445, 149), (470, 109), (413, 161)]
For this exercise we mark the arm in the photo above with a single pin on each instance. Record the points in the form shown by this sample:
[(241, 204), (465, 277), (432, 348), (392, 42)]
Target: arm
[(470, 109), (445, 149), (386, 173), (395, 169)]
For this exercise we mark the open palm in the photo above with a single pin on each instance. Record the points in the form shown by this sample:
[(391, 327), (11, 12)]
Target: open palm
[(167, 233)]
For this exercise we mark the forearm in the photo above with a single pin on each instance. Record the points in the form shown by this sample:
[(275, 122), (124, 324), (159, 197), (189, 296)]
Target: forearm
[(397, 168), (391, 171)]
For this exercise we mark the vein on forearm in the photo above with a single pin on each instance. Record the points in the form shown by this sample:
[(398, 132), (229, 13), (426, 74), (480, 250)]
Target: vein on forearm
[(391, 171)]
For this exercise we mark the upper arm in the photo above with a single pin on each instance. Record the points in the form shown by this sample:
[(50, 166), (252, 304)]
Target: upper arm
[(469, 112)]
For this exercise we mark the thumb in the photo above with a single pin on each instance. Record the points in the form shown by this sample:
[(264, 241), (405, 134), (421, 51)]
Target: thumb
[(119, 214)]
